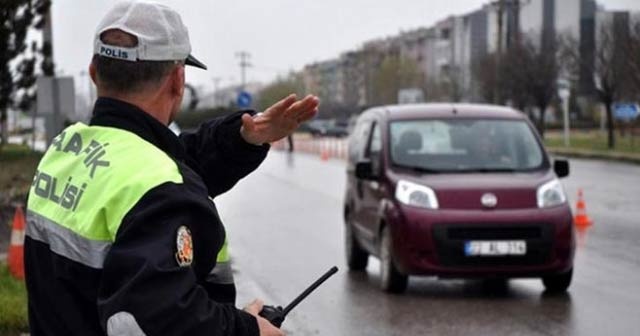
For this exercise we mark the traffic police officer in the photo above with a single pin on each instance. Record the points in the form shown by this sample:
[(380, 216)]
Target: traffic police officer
[(121, 232)]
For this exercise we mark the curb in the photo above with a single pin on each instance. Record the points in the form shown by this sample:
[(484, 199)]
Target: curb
[(586, 154)]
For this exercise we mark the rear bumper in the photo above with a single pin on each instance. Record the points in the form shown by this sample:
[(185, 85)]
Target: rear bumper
[(429, 242)]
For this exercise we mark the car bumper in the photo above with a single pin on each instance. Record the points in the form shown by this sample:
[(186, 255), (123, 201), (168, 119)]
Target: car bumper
[(431, 242)]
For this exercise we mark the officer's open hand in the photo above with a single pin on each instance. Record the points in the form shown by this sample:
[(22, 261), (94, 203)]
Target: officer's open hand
[(279, 120), (266, 328)]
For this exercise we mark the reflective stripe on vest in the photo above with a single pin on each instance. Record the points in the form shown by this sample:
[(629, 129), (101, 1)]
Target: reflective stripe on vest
[(87, 181)]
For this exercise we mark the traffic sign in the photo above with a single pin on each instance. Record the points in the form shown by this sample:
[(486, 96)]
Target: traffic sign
[(625, 111), (244, 99)]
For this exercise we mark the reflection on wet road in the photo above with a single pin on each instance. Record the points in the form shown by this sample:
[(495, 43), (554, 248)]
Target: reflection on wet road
[(285, 229)]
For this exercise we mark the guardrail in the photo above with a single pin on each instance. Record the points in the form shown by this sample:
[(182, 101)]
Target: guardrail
[(326, 148)]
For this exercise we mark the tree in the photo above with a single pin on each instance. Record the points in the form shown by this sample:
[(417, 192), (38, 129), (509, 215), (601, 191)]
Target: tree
[(395, 73), (486, 73), (502, 77), (611, 70), (449, 87), (354, 79), (17, 58), (541, 76), (514, 72), (525, 76), (633, 57)]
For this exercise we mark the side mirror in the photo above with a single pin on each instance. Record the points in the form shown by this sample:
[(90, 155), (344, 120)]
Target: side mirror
[(364, 170), (561, 167)]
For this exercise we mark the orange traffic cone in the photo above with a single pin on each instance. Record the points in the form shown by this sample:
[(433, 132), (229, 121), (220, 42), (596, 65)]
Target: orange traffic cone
[(581, 219), (16, 248), (324, 154)]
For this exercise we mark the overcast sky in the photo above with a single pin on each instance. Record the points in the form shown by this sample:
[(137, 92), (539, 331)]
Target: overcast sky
[(281, 35)]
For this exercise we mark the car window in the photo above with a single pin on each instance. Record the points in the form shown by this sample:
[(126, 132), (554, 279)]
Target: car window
[(359, 139), (375, 142), (465, 145)]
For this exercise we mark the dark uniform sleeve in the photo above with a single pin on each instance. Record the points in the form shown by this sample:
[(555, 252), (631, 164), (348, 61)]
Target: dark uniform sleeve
[(222, 156), (143, 287)]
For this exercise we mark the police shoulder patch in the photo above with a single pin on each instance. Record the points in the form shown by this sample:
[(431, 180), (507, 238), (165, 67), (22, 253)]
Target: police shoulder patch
[(184, 247)]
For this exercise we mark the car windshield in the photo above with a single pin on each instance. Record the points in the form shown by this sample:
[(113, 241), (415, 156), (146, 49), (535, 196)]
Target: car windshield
[(465, 145)]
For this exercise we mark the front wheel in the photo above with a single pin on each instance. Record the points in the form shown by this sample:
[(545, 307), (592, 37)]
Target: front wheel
[(558, 283), (357, 257), (391, 280)]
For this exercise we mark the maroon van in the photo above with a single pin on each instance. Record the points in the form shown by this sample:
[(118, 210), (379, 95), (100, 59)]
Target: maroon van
[(461, 191)]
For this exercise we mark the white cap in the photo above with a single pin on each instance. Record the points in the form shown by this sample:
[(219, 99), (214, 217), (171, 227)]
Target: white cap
[(161, 34)]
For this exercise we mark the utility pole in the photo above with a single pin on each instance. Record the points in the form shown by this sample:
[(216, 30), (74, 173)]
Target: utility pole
[(501, 6), (496, 93), (244, 57)]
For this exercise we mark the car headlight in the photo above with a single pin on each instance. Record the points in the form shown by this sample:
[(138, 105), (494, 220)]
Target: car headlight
[(416, 195), (551, 194)]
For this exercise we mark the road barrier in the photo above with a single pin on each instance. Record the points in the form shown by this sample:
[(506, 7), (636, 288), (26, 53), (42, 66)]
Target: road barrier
[(15, 258), (325, 148)]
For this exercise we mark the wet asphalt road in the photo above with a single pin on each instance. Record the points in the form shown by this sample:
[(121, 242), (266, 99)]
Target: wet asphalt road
[(285, 229)]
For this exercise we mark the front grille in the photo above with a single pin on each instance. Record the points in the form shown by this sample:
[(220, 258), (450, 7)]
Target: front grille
[(450, 240)]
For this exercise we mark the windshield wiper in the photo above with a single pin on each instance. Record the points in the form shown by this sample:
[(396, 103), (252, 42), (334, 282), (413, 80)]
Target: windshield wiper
[(422, 169)]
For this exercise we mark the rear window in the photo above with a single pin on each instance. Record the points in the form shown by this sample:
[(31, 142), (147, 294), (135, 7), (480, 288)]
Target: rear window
[(465, 145)]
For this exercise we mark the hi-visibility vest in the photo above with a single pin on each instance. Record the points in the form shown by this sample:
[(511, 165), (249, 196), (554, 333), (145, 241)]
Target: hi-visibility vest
[(222, 273), (88, 180)]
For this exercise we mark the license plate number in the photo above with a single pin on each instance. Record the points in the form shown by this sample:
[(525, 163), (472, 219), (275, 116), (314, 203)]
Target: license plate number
[(495, 248)]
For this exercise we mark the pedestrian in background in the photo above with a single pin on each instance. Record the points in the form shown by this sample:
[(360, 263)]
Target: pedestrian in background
[(122, 231), (290, 141)]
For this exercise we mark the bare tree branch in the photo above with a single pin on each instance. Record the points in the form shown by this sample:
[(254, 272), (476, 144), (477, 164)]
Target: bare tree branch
[(612, 69)]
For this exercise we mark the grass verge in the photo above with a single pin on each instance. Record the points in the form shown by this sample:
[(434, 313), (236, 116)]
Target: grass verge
[(594, 141), (13, 304)]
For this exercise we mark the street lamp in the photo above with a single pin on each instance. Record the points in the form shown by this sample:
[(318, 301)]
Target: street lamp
[(564, 92)]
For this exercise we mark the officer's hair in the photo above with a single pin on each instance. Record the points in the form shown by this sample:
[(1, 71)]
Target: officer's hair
[(125, 76)]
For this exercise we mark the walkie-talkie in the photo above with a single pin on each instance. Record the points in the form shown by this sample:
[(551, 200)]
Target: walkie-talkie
[(276, 315)]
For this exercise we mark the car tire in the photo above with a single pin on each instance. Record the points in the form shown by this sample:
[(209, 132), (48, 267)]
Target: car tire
[(558, 283), (391, 280), (357, 257)]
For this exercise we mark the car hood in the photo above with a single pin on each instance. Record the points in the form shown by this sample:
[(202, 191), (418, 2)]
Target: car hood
[(465, 191)]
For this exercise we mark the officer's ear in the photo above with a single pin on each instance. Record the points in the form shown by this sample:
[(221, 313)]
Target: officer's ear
[(93, 72), (177, 80)]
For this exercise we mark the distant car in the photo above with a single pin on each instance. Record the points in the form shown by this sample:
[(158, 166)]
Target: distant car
[(329, 128), (337, 131), (462, 191)]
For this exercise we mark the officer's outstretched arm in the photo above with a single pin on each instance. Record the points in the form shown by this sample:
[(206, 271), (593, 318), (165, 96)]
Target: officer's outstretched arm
[(164, 244), (219, 153), (228, 149)]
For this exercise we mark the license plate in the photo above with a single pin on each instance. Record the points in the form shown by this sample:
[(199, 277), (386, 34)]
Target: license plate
[(495, 248)]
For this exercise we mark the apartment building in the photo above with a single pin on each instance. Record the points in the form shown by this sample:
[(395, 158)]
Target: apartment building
[(449, 51)]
